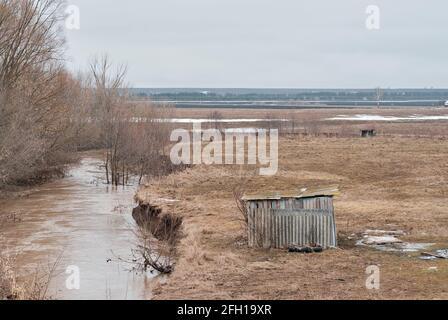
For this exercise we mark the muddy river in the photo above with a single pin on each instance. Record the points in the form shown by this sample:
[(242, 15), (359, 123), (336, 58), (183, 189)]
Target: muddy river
[(87, 227)]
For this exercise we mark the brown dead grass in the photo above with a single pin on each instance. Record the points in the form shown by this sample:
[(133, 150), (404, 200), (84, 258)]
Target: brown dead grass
[(33, 286), (385, 182)]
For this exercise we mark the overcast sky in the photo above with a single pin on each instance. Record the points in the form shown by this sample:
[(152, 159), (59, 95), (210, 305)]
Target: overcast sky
[(266, 43)]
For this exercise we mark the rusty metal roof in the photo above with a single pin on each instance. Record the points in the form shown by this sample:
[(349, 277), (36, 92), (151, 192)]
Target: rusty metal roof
[(329, 191)]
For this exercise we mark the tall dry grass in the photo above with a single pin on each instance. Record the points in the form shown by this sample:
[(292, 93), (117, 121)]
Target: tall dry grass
[(31, 287)]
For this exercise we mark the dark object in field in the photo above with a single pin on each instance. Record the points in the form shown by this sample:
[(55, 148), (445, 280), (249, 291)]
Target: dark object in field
[(368, 133), (307, 249)]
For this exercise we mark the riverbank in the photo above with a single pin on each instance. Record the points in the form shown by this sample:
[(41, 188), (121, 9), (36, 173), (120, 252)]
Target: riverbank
[(386, 183), (25, 188)]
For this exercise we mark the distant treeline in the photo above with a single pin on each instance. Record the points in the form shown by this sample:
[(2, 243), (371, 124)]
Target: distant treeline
[(332, 96)]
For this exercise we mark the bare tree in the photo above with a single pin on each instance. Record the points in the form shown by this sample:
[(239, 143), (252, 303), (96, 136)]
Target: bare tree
[(30, 39), (135, 136), (108, 112), (35, 100)]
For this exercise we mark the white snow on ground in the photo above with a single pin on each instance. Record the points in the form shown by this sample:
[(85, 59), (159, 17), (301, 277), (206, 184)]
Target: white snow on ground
[(192, 120), (185, 120), (369, 117)]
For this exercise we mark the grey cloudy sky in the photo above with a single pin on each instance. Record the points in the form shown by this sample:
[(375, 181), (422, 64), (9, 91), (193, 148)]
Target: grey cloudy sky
[(266, 43)]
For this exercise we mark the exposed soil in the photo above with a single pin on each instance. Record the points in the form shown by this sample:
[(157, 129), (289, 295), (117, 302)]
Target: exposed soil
[(162, 225)]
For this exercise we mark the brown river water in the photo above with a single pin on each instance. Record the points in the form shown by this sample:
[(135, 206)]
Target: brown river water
[(78, 221)]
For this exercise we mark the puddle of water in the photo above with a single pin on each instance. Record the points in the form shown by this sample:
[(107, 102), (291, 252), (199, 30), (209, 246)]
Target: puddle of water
[(87, 224)]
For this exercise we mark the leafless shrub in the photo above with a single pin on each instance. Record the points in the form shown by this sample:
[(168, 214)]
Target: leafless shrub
[(244, 217), (34, 287), (346, 130), (312, 128), (153, 253), (214, 117), (293, 122), (9, 288), (241, 205), (238, 192), (272, 122)]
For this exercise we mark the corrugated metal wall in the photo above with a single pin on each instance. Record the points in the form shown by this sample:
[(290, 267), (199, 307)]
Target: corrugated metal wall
[(291, 221)]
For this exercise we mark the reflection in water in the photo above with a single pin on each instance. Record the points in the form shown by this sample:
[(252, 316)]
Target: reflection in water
[(87, 224)]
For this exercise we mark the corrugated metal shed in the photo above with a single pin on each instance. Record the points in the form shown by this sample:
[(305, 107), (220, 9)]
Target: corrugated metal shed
[(300, 218)]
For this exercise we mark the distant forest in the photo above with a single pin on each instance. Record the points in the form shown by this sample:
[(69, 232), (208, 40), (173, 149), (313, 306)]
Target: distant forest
[(424, 97), (292, 94)]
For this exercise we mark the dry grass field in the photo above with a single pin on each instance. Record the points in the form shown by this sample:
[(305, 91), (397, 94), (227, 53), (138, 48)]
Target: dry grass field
[(387, 182)]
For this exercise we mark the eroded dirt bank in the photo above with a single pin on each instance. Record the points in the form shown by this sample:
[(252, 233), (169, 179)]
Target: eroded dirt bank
[(386, 183), (164, 226)]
